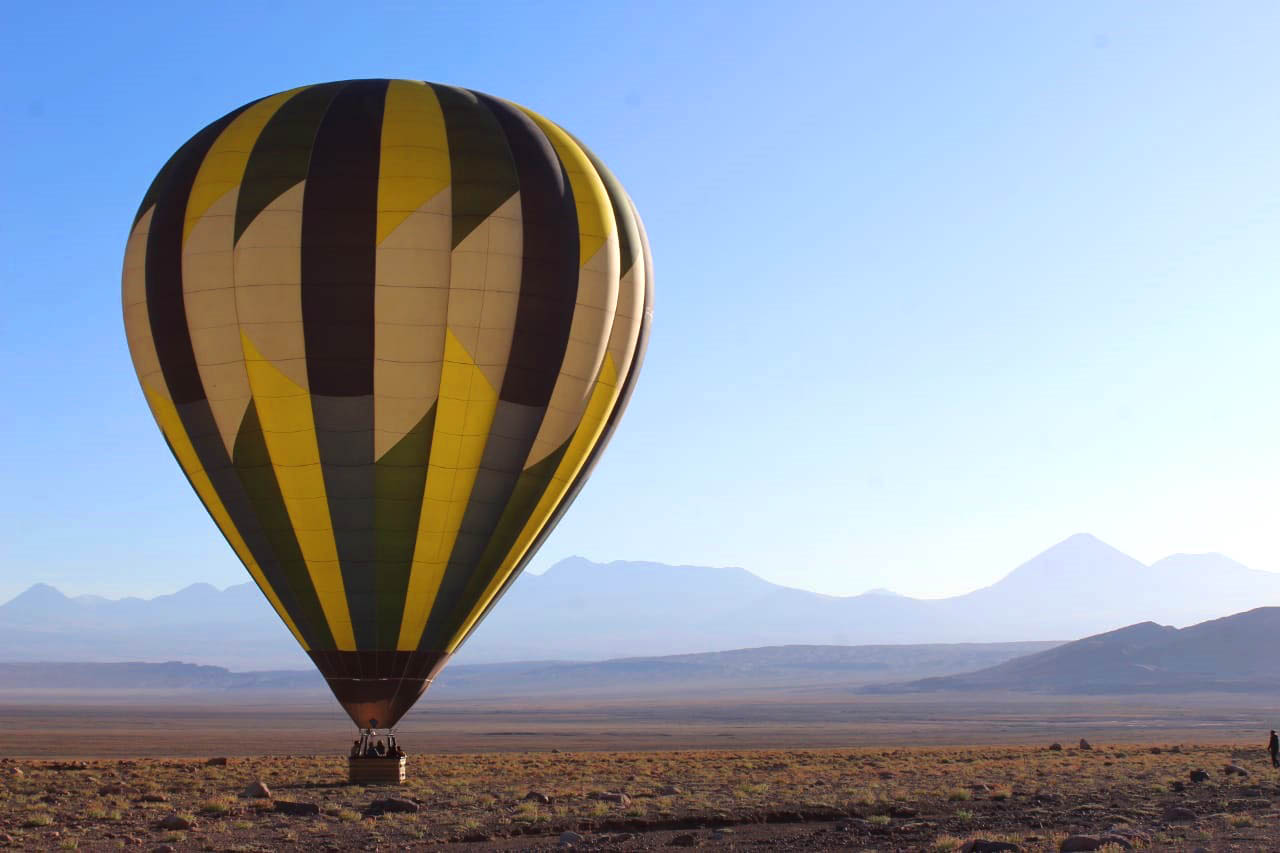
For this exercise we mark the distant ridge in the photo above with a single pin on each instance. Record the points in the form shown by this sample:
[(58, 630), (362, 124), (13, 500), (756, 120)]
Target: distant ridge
[(794, 667), (171, 675), (1235, 653), (580, 610)]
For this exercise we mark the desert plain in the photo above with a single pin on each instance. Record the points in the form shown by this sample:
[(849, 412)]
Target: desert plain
[(105, 770)]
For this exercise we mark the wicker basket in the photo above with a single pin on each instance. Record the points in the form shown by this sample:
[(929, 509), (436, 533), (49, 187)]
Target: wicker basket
[(376, 771)]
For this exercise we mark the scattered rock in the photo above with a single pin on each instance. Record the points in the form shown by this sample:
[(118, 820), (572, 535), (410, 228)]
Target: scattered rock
[(569, 839), (1077, 843), (153, 798), (287, 807), (1178, 813), (217, 762), (392, 804), (1084, 744), (256, 791), (903, 811), (538, 797), (1117, 841), (1055, 747), (688, 839), (1199, 775), (175, 821), (611, 797), (982, 845), (164, 848), (1234, 770), (669, 790)]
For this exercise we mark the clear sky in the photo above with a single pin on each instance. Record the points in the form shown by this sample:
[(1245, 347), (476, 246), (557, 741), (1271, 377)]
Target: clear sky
[(938, 284)]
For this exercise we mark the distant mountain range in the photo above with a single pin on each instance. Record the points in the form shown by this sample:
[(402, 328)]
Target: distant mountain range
[(585, 611), (234, 627), (1235, 653), (172, 675)]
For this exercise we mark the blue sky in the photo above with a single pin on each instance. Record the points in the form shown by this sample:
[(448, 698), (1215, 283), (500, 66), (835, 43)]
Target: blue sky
[(938, 284)]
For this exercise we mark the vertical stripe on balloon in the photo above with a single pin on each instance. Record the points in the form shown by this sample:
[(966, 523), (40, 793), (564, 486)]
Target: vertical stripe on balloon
[(585, 389), (411, 298), (637, 271), (339, 242), (544, 313), (184, 411), (267, 279), (483, 278), (208, 283)]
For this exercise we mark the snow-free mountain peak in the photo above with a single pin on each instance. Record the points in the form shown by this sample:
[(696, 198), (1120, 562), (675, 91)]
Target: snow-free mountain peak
[(37, 594), (38, 604), (1078, 558)]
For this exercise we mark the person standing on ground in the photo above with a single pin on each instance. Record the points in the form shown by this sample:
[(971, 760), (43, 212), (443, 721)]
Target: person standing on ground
[(1273, 747)]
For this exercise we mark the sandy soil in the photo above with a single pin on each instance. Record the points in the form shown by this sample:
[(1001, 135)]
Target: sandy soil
[(96, 770), (883, 799)]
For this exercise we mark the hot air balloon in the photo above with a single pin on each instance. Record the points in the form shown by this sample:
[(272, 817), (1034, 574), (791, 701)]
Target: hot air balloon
[(386, 328)]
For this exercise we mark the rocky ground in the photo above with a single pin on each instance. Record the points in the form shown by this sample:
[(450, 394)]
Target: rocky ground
[(994, 798)]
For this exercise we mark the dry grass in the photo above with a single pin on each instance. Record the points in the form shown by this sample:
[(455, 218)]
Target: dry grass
[(908, 799)]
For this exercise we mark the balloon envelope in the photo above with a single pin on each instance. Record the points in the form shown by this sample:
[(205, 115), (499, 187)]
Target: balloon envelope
[(386, 328)]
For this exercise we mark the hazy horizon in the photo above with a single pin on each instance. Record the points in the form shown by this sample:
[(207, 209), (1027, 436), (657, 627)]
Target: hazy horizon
[(74, 593)]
